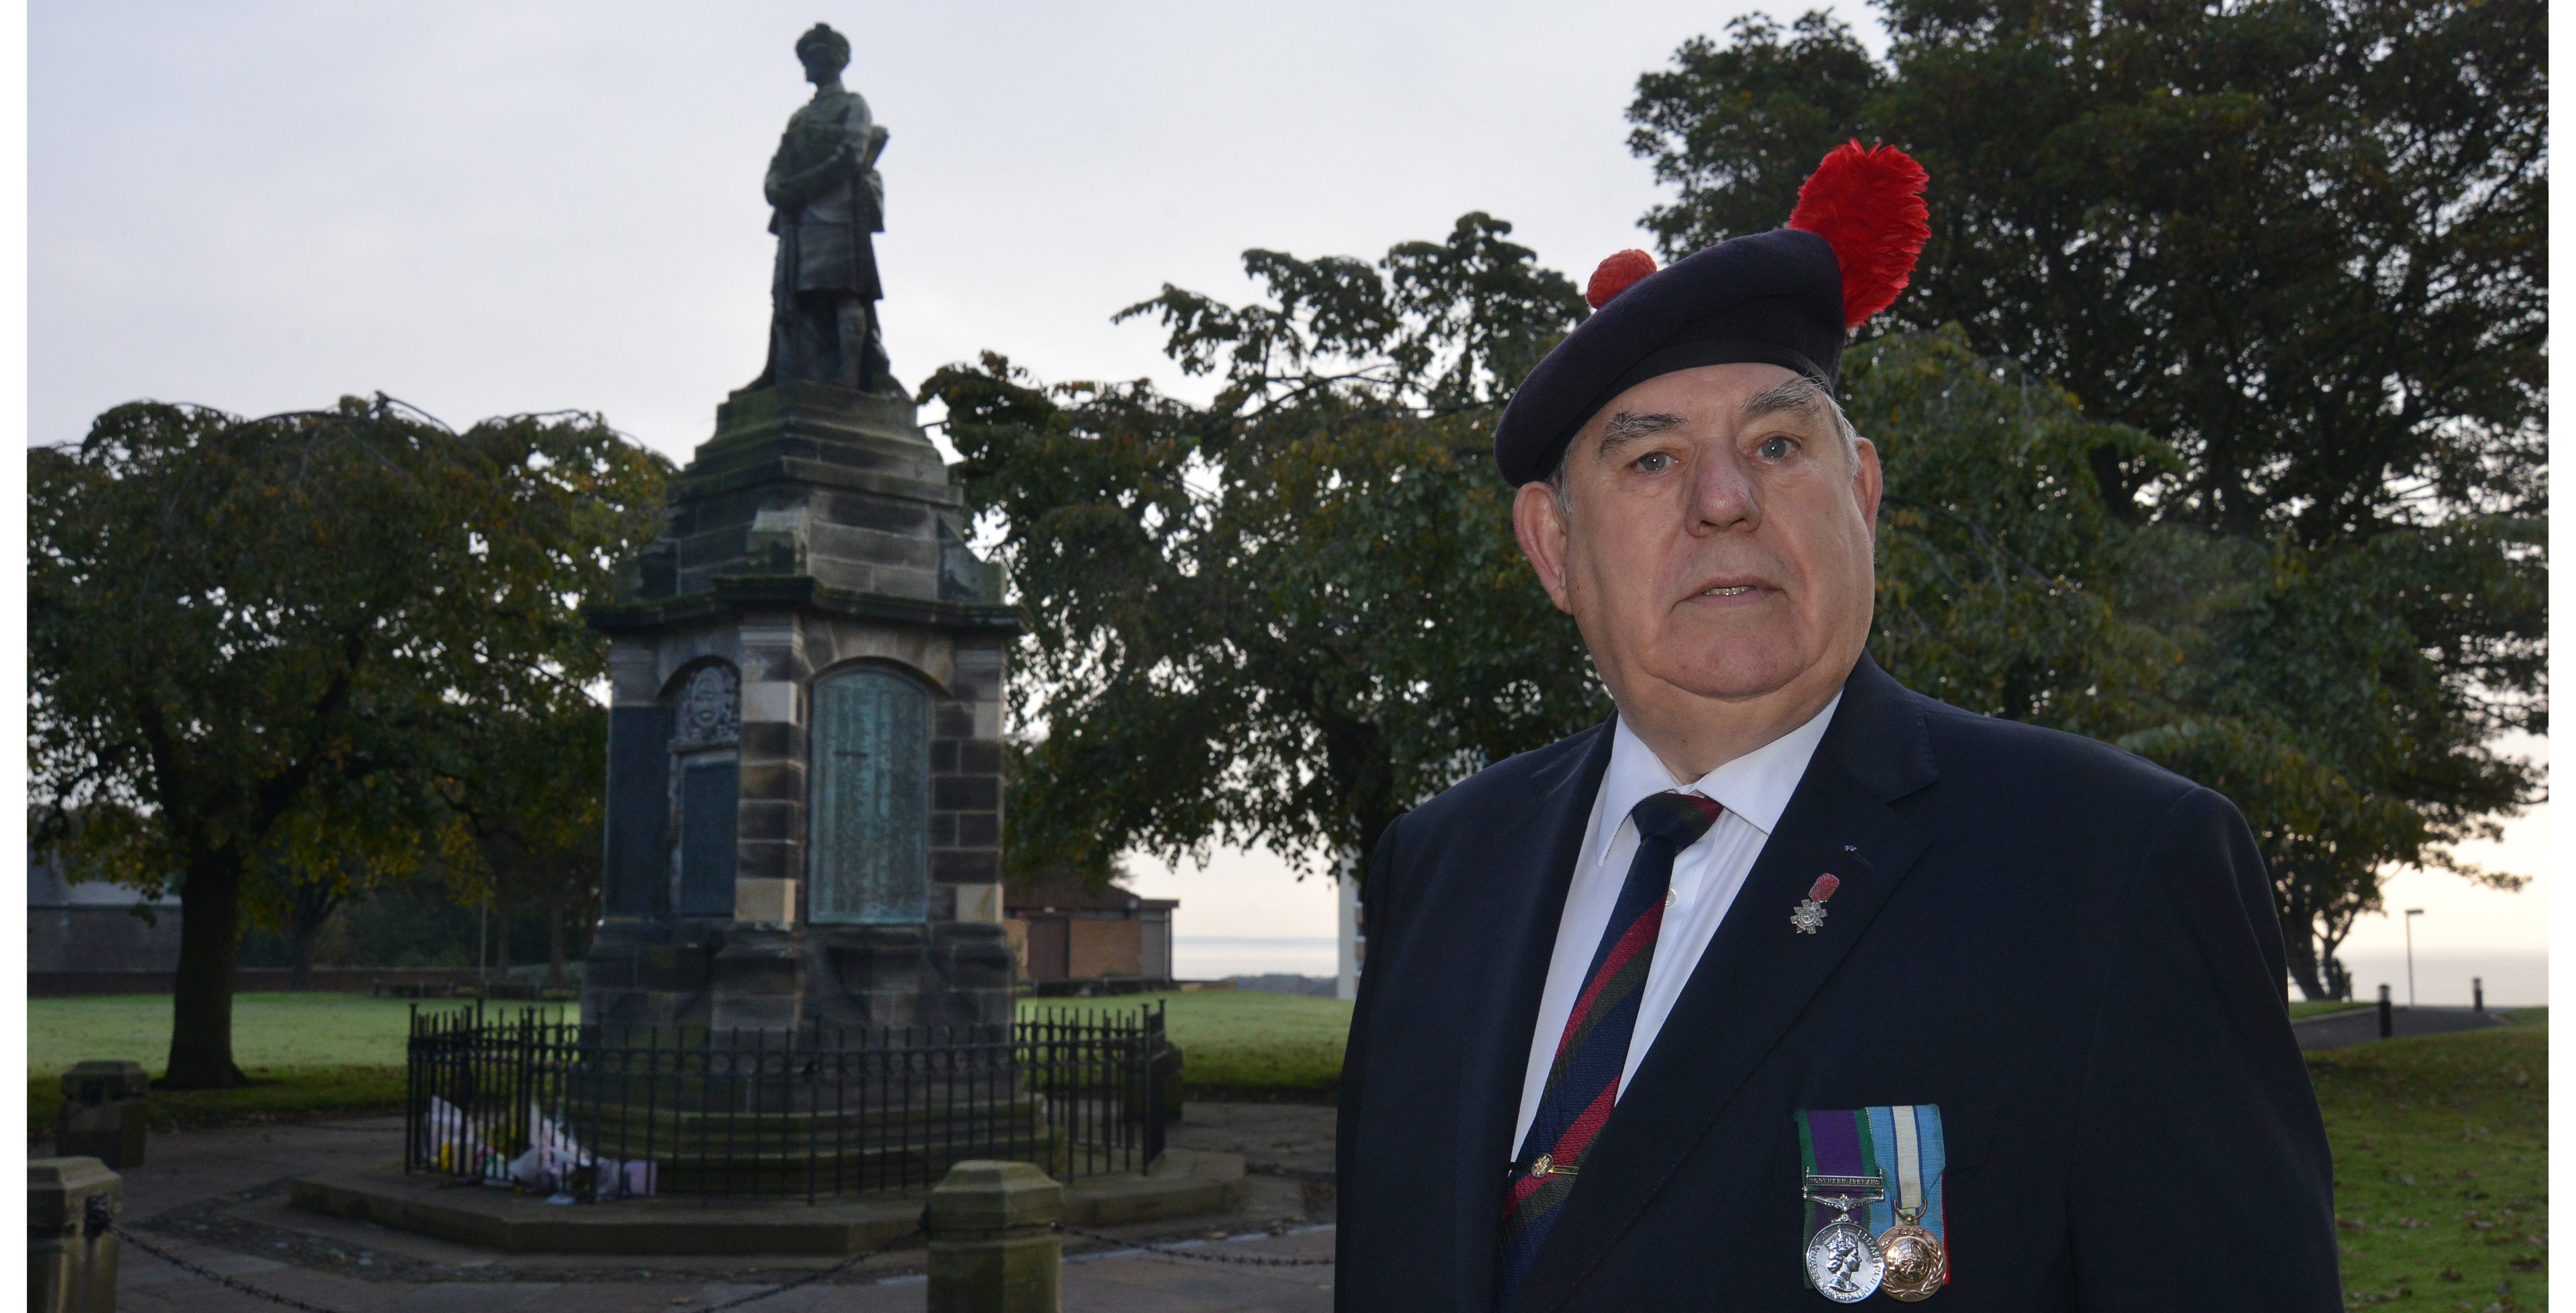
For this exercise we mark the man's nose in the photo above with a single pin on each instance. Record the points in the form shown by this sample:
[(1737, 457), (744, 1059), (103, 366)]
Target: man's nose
[(1722, 498)]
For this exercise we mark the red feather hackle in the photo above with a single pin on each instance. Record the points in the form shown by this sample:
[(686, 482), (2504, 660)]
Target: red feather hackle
[(1867, 203)]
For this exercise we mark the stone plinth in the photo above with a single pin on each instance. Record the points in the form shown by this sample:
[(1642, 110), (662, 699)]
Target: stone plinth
[(104, 1113), (993, 1245), (805, 751), (71, 1260), (1185, 1183)]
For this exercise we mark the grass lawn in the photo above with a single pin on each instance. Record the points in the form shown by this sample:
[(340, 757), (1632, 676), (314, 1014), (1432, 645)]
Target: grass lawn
[(269, 1030), (312, 1053), (324, 1051), (2440, 1142), (2305, 1008), (2441, 1147), (1242, 1043)]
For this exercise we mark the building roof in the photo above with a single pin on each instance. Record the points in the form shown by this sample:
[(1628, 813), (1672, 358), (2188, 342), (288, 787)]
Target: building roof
[(46, 887), (1065, 892)]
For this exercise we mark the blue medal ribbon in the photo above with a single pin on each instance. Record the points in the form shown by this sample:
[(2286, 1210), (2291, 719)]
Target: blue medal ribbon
[(1913, 1170)]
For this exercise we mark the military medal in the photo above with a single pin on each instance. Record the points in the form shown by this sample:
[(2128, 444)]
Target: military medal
[(1810, 915), (1915, 1266), (1844, 1263), (1917, 1263), (1843, 1259)]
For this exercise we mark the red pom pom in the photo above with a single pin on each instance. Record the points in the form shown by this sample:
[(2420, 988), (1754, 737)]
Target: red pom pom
[(1617, 274), (1867, 205)]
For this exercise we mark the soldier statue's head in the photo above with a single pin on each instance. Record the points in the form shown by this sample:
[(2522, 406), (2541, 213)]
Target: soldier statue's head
[(824, 53)]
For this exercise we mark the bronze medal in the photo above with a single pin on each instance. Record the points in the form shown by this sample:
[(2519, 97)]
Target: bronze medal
[(1915, 1266)]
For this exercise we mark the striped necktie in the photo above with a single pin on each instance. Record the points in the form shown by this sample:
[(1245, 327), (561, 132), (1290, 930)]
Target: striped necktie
[(1583, 1081)]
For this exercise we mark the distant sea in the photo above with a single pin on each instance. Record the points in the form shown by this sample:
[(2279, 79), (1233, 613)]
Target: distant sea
[(1214, 957), (2513, 980)]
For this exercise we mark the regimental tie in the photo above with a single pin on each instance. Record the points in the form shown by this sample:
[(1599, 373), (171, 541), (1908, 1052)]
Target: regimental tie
[(1583, 1081)]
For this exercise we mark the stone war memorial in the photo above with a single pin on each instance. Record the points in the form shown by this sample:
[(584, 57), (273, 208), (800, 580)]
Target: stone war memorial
[(804, 773), (799, 991)]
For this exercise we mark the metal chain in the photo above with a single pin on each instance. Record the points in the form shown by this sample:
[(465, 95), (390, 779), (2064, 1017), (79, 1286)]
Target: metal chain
[(1240, 1260), (818, 1274), (291, 1302), (217, 1277)]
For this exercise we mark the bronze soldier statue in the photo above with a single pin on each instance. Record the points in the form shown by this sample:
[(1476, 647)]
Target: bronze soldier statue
[(827, 199)]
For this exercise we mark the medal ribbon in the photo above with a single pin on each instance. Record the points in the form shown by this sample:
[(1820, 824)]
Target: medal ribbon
[(1835, 1142), (1908, 1135), (1903, 1140)]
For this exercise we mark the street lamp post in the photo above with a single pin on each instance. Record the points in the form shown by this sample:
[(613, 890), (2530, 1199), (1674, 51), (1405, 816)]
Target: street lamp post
[(2411, 914)]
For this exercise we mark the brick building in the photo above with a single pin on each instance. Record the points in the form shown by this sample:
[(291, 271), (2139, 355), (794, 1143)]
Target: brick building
[(1060, 930)]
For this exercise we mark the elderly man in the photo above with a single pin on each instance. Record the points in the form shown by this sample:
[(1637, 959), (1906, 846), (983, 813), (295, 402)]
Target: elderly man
[(1788, 987)]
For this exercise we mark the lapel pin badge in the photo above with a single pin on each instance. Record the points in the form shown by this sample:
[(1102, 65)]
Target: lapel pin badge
[(1810, 916)]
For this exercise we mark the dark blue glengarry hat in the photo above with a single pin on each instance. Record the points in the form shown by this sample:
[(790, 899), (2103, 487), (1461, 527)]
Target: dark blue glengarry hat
[(1787, 297)]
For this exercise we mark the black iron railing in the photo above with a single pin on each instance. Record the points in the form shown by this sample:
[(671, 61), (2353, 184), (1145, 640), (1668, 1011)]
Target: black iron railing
[(593, 1113)]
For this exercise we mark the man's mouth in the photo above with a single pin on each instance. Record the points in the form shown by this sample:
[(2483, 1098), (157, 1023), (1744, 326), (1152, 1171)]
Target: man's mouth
[(1731, 590)]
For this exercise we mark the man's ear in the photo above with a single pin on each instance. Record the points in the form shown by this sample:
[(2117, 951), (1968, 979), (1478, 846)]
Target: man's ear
[(1541, 527), (1867, 483)]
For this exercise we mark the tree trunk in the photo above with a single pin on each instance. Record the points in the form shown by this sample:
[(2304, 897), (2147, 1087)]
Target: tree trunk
[(2305, 968), (554, 946), (308, 906), (299, 959), (501, 941), (201, 1007)]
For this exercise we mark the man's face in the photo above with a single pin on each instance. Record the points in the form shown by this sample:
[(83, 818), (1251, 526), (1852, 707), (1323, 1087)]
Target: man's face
[(1720, 540)]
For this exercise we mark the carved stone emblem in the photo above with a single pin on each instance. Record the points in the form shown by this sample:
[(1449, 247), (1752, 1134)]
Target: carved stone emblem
[(710, 710)]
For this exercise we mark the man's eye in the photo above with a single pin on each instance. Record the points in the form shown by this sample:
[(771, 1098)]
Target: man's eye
[(1778, 448), (1655, 460)]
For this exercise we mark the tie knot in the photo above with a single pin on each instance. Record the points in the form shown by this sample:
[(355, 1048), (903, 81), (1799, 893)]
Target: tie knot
[(1676, 818)]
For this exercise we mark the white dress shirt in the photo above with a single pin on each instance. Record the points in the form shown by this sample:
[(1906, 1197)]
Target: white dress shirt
[(1754, 789)]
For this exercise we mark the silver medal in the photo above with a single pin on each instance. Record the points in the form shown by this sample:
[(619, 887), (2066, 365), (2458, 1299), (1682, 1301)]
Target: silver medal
[(1844, 1262)]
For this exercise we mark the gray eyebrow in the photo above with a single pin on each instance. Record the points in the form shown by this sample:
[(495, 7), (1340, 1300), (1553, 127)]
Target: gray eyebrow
[(1629, 425), (1797, 394)]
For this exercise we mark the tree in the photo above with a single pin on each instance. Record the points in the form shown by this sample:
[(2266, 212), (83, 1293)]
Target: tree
[(2300, 243), (1286, 616), (534, 799), (268, 641), (2283, 675)]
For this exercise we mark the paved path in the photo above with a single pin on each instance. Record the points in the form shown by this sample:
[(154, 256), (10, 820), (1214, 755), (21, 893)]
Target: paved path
[(2334, 1030), (218, 1199)]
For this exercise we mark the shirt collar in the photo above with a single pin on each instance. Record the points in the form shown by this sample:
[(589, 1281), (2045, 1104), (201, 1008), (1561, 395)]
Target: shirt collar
[(1755, 786)]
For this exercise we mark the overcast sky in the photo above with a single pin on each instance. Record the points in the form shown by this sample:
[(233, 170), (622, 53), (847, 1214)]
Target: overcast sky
[(492, 208), (485, 208)]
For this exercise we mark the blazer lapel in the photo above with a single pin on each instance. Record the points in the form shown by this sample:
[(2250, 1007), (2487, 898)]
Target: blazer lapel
[(1758, 972), (1531, 865)]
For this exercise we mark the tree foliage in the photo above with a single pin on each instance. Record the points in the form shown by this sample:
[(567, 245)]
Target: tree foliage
[(2286, 675), (274, 644), (2301, 241), (533, 798), (1283, 617), (2288, 255)]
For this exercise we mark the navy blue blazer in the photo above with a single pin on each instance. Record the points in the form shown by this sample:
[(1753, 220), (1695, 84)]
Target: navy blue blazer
[(2071, 951)]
